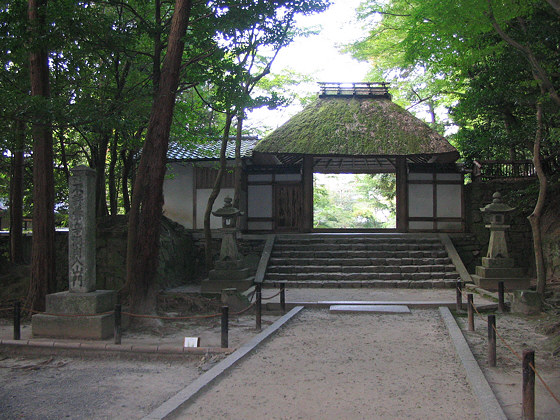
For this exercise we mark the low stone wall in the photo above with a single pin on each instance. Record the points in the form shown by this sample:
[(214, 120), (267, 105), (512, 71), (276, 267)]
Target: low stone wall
[(177, 257), (551, 249), (177, 254)]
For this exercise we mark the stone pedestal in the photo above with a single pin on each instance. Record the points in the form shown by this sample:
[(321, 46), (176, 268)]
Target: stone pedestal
[(80, 312), (495, 270), (226, 275), (77, 323)]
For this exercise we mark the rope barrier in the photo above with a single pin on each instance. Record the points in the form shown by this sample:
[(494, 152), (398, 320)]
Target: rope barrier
[(171, 318), (553, 395), (271, 297), (65, 315), (32, 311), (245, 310)]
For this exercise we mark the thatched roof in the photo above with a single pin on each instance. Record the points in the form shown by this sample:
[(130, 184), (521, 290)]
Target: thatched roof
[(343, 125)]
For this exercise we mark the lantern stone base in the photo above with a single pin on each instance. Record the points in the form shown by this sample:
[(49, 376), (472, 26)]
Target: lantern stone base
[(509, 284), (98, 325), (495, 270)]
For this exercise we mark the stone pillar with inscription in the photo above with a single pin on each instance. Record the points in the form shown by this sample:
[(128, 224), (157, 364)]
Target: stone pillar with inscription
[(81, 230), (93, 307)]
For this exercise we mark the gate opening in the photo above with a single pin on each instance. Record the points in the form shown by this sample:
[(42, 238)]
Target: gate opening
[(354, 201)]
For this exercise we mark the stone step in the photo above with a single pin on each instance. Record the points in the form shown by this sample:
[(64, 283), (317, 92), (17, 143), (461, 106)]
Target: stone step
[(371, 309), (299, 261), (405, 284), (358, 254), (360, 276), (360, 261), (359, 246), (334, 239), (440, 268)]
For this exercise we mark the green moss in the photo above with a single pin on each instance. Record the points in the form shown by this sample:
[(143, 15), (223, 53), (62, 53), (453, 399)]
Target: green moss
[(354, 126)]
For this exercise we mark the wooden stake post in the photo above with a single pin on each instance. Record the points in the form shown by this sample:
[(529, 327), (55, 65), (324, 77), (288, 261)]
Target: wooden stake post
[(492, 340), (528, 385), (470, 311)]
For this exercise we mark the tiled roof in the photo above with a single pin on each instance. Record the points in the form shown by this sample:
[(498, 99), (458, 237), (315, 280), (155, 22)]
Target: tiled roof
[(209, 150)]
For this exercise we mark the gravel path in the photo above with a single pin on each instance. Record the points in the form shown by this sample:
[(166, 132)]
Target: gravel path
[(353, 366)]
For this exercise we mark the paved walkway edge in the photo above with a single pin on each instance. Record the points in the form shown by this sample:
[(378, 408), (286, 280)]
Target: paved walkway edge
[(169, 407), (53, 347), (488, 402)]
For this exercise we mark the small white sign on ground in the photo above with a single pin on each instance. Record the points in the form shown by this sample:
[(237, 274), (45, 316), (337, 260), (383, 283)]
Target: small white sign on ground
[(192, 342), (374, 309)]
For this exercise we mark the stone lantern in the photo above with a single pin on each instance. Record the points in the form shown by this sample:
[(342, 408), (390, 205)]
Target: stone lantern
[(498, 266), (230, 271), (228, 252), (497, 210)]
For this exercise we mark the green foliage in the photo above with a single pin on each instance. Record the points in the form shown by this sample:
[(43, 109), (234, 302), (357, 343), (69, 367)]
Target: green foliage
[(105, 60), (448, 54), (357, 201)]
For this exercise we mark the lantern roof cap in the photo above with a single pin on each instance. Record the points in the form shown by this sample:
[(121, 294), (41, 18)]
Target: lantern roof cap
[(227, 210), (497, 205)]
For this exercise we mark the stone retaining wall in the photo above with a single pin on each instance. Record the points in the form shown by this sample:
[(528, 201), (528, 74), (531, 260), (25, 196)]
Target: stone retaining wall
[(522, 195), (177, 254)]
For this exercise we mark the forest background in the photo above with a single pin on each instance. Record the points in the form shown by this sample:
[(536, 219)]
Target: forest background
[(88, 82)]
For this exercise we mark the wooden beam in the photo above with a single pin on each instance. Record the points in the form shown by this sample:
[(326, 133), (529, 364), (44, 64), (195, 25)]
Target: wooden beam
[(307, 193), (402, 194)]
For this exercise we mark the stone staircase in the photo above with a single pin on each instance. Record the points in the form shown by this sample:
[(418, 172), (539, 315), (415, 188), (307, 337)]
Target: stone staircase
[(360, 260)]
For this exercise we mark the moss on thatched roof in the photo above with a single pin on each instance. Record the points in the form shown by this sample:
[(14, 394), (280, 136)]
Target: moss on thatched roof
[(354, 126)]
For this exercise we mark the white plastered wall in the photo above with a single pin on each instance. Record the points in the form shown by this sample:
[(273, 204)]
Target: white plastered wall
[(259, 202), (201, 201), (179, 197), (421, 201), (178, 194), (259, 205)]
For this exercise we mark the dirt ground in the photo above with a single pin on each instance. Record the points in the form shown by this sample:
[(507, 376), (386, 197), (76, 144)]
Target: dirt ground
[(347, 366), (108, 387), (520, 333), (88, 389), (64, 387)]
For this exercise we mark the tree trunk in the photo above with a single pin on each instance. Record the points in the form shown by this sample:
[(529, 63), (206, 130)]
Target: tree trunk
[(238, 163), (147, 199), (127, 160), (16, 196), (100, 188), (214, 194), (113, 191), (42, 279), (535, 217)]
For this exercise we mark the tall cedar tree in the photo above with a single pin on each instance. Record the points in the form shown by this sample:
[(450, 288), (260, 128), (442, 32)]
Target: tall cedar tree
[(16, 196), (147, 200), (42, 256)]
